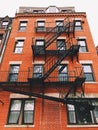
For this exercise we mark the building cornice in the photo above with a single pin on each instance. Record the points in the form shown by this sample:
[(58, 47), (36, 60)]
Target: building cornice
[(75, 14)]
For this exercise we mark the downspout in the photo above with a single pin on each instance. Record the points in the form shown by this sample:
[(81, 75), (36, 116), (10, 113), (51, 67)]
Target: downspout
[(5, 44)]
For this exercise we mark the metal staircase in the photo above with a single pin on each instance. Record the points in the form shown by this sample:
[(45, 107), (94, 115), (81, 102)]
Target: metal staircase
[(67, 28)]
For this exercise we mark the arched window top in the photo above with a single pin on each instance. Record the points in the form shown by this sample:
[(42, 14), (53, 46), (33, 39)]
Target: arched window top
[(52, 9)]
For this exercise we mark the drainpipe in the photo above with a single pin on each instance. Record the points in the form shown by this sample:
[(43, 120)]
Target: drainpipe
[(5, 44)]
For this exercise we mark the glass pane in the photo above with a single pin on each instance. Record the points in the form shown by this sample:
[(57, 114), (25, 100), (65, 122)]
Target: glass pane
[(14, 68), (29, 105), (42, 23), (72, 118), (5, 23), (23, 24), (13, 117), (13, 77), (87, 68), (81, 43), (19, 43), (16, 105), (89, 77), (63, 77), (59, 23), (18, 50), (40, 42), (28, 117), (38, 69), (83, 115), (78, 23), (61, 45), (71, 107), (82, 49), (62, 69)]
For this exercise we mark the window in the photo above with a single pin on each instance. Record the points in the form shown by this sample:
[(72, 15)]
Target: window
[(82, 112), (13, 73), (63, 72), (5, 23), (19, 46), (23, 25), (78, 25), (21, 111), (59, 26), (87, 68), (38, 71), (83, 46), (61, 44), (40, 42), (1, 36), (40, 26)]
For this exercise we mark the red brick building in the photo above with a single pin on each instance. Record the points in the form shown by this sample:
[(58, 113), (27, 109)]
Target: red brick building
[(5, 28), (49, 72)]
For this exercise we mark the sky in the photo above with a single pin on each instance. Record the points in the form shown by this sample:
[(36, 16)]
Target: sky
[(10, 7)]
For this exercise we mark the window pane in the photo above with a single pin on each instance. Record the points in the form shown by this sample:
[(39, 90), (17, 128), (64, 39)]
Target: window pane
[(61, 44), (13, 77), (38, 69), (19, 43), (59, 23), (18, 50), (72, 118), (87, 68), (16, 105), (14, 68), (78, 23), (29, 105), (28, 117), (13, 117), (40, 23), (89, 77), (71, 107), (40, 42)]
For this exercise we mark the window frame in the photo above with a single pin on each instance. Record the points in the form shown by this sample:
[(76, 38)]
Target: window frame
[(63, 74), (22, 28), (13, 72), (78, 25), (19, 48), (41, 27), (59, 26), (37, 74), (63, 42), (83, 48), (89, 73), (84, 112), (20, 120)]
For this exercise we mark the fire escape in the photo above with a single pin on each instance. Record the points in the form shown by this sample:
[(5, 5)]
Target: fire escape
[(36, 86), (74, 79)]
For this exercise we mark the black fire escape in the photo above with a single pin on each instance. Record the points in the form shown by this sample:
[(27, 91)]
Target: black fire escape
[(36, 86)]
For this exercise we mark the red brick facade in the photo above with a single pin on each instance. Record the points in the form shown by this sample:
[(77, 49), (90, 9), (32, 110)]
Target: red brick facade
[(48, 114)]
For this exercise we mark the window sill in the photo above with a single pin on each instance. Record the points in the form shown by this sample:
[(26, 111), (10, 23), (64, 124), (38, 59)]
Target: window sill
[(91, 82), (18, 126), (70, 126)]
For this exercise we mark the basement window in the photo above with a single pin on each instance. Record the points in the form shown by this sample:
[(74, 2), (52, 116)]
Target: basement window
[(82, 112), (21, 111)]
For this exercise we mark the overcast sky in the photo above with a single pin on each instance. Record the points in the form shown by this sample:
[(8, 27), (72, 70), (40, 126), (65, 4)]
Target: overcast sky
[(9, 7)]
